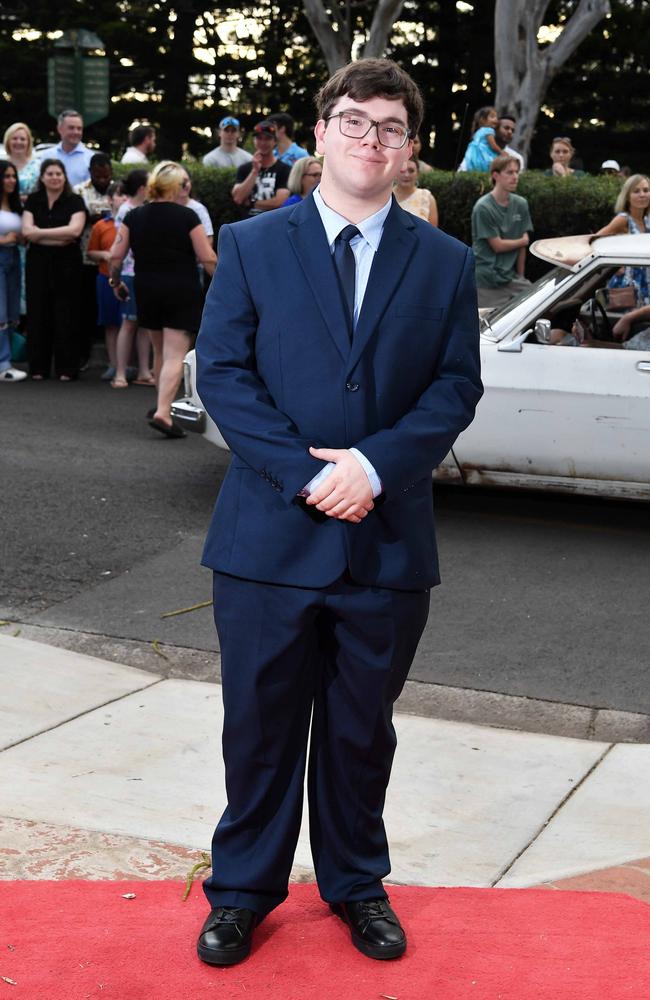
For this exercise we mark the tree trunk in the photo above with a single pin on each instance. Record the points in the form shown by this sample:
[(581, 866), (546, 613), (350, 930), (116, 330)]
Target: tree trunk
[(179, 64), (334, 32), (523, 69)]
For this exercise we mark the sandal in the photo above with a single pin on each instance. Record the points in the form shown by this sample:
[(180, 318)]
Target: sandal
[(119, 383), (150, 380)]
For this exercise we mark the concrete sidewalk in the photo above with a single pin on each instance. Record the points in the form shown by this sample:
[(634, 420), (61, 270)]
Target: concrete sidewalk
[(107, 771)]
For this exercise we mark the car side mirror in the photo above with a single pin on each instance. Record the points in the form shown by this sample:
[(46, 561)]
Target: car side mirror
[(542, 331)]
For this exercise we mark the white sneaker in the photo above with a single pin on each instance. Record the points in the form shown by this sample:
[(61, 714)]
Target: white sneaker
[(12, 375)]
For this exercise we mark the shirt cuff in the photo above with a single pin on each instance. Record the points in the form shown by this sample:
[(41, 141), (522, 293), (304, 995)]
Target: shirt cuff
[(369, 469), (317, 480)]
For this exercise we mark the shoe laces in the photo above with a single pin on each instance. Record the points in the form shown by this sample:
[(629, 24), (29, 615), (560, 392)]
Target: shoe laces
[(375, 909), (228, 915)]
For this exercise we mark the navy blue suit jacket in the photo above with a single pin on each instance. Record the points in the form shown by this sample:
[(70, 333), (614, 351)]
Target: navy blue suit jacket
[(277, 372)]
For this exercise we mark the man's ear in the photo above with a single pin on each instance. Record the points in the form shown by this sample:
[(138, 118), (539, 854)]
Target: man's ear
[(319, 133)]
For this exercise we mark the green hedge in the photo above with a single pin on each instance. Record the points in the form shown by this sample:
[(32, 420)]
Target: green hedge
[(558, 206)]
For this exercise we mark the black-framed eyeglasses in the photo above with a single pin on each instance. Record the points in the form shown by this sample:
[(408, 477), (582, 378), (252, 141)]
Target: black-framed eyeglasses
[(313, 173), (356, 126)]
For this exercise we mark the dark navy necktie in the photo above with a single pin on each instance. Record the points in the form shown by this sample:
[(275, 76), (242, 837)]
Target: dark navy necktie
[(346, 266)]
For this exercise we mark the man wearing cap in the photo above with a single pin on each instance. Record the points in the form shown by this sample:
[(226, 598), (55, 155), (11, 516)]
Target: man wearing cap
[(262, 184), (227, 153), (611, 168)]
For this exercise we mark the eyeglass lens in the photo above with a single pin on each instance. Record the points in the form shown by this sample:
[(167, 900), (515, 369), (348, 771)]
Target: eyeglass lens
[(356, 127)]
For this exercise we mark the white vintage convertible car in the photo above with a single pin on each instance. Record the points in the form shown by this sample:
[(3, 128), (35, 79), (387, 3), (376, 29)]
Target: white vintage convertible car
[(553, 417)]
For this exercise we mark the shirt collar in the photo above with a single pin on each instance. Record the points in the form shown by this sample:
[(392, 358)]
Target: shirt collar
[(79, 148), (370, 228)]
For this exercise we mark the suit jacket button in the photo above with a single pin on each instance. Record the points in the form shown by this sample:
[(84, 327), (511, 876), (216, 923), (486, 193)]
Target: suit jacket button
[(352, 386)]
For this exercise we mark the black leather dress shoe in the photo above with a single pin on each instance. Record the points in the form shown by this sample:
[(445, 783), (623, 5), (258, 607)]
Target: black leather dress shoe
[(374, 927), (226, 935)]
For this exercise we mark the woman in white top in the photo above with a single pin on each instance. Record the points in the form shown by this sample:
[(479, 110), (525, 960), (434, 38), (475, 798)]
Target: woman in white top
[(19, 147), (10, 236), (418, 201)]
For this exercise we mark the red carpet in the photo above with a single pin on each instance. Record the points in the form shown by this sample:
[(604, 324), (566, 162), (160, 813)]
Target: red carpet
[(80, 940)]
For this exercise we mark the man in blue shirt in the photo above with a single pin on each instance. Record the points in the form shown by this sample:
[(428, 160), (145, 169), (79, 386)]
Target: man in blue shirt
[(74, 155), (286, 150)]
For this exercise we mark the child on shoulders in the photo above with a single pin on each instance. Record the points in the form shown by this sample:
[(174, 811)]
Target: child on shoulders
[(483, 146)]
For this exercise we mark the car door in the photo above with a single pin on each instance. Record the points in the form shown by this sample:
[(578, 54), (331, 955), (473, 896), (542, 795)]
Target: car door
[(569, 412)]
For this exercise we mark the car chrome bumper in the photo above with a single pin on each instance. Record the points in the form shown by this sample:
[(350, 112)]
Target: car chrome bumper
[(188, 415)]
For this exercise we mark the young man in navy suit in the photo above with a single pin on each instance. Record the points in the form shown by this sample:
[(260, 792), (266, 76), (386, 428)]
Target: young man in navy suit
[(339, 356)]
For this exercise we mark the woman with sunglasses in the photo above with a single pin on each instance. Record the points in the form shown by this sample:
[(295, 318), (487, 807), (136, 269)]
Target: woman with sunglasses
[(304, 177)]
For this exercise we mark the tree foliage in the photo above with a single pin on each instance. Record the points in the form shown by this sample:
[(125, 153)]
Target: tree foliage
[(524, 67), (182, 64)]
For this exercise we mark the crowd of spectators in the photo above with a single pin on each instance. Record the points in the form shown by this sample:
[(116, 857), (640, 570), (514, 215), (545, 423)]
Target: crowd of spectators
[(81, 253)]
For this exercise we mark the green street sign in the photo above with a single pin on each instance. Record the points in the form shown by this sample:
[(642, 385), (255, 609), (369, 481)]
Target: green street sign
[(78, 81), (94, 89), (61, 91)]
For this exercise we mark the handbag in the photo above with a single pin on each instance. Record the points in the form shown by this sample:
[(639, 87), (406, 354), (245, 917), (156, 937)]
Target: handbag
[(18, 346)]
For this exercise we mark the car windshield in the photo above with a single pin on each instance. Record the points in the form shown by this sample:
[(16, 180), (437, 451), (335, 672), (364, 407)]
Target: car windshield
[(540, 289)]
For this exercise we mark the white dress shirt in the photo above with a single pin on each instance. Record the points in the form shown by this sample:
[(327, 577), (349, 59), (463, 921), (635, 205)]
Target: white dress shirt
[(364, 247), (76, 161)]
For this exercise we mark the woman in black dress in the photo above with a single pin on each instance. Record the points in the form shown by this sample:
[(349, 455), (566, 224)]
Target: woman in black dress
[(53, 221), (167, 240)]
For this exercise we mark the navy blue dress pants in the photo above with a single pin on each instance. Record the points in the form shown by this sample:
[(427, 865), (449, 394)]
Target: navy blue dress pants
[(338, 657)]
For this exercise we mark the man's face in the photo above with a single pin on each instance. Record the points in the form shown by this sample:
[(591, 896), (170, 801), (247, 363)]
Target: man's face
[(362, 168), (101, 176), (149, 144), (264, 143), (229, 135), (505, 131), (71, 130), (508, 178)]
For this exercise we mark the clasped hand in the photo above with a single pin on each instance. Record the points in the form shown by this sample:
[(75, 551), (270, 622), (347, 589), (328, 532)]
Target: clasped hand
[(345, 493)]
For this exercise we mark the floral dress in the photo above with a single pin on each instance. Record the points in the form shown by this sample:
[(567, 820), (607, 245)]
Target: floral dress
[(419, 203), (635, 276), (28, 177)]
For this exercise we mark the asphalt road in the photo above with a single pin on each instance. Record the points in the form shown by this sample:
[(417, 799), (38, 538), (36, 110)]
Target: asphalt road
[(543, 604)]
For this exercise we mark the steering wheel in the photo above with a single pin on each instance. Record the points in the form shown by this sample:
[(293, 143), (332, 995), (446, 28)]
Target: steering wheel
[(597, 304)]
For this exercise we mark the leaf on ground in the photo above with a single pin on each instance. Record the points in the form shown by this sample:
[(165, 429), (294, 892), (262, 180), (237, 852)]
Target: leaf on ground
[(158, 650), (205, 862), (6, 979), (184, 611), (128, 895)]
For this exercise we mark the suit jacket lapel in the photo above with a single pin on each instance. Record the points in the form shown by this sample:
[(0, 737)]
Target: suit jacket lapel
[(309, 241), (397, 244)]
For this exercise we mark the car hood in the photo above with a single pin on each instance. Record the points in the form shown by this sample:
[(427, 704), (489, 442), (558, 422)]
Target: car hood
[(567, 251), (571, 251)]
